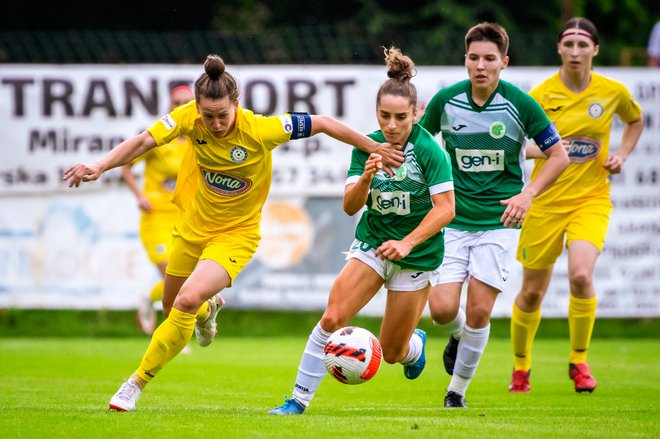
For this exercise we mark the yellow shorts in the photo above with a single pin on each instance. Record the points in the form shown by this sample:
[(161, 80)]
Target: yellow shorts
[(156, 234), (232, 250), (542, 236)]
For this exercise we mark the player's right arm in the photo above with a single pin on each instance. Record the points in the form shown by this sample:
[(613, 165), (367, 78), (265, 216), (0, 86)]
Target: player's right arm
[(122, 154), (356, 194)]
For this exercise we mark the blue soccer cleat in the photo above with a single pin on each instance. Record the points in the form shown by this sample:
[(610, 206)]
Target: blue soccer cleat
[(290, 407), (414, 370)]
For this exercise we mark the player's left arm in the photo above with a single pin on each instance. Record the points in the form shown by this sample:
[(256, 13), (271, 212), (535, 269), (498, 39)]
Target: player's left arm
[(557, 161), (631, 134), (439, 216)]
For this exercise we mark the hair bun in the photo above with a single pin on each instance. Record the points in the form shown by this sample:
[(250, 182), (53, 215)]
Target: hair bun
[(214, 66)]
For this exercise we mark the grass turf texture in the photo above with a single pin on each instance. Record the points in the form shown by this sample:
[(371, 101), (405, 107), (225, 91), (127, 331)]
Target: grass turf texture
[(60, 387), (260, 323)]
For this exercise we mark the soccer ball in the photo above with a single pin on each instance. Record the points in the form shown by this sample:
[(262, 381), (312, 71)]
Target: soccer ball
[(352, 355)]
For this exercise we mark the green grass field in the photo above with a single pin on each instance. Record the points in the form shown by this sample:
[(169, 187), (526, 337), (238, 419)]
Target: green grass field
[(59, 387)]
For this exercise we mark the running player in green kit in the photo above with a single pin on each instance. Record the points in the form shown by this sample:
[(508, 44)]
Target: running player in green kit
[(398, 241), (484, 123)]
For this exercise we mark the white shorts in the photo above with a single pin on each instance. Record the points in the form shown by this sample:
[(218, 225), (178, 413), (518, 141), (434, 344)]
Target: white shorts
[(395, 278), (485, 255)]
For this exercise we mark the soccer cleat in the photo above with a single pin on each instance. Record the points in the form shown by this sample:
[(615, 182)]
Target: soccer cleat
[(519, 381), (290, 407), (581, 376), (412, 371), (126, 397), (449, 355), (205, 332), (455, 400), (146, 315)]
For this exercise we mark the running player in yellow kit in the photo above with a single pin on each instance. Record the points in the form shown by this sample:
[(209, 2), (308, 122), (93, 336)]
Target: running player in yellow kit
[(222, 186), (158, 212), (577, 207)]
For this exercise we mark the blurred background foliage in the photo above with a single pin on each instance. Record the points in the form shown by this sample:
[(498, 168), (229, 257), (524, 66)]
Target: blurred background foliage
[(303, 32)]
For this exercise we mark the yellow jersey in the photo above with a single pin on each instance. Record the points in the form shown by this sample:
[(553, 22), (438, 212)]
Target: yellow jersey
[(161, 167), (584, 119), (223, 182)]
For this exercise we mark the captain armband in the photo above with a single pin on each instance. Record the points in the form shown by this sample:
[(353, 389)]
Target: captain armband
[(301, 125), (548, 137)]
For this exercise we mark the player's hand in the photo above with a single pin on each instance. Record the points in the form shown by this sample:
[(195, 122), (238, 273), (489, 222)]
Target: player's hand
[(614, 163), (393, 250), (144, 204), (81, 172), (392, 156), (516, 209), (371, 167)]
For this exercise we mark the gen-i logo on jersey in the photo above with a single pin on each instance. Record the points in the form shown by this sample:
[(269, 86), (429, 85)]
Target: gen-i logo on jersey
[(497, 129), (480, 160), (595, 110), (397, 202), (238, 155), (225, 183)]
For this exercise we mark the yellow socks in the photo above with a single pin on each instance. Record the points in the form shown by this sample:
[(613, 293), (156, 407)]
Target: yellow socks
[(167, 341), (581, 318), (523, 330), (156, 293), (203, 312)]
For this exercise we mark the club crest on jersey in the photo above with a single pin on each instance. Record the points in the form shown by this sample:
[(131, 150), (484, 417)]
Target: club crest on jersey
[(400, 173), (238, 155), (497, 129), (582, 149), (225, 183), (595, 110)]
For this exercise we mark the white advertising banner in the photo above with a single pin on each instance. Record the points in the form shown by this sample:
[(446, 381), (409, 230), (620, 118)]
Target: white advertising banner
[(79, 248)]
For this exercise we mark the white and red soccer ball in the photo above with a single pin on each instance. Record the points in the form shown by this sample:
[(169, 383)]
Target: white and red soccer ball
[(352, 355)]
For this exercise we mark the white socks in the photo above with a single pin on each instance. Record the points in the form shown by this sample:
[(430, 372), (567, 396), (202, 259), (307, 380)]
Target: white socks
[(455, 327), (415, 346), (311, 369), (471, 347)]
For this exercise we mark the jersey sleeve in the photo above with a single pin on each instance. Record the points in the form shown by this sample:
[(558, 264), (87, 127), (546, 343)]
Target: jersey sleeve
[(275, 130), (431, 119), (174, 124), (536, 122), (356, 168), (437, 168), (627, 109)]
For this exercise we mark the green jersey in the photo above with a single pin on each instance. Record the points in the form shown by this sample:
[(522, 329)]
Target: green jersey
[(486, 146), (396, 205)]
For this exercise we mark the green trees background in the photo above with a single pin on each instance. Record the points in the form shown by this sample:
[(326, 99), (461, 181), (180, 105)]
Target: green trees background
[(312, 32), (432, 30)]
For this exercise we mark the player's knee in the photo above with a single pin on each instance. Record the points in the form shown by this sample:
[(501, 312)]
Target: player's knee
[(442, 315), (580, 280), (478, 317), (187, 301), (331, 321), (531, 296)]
